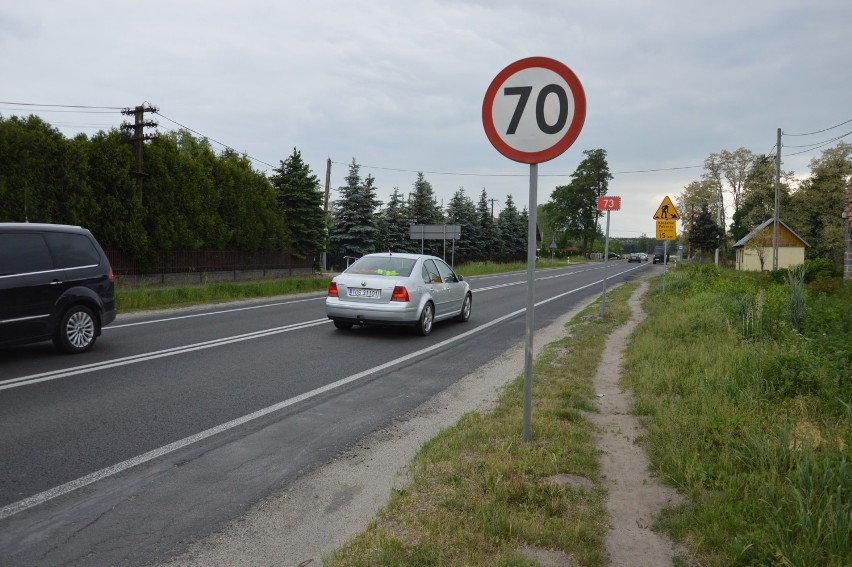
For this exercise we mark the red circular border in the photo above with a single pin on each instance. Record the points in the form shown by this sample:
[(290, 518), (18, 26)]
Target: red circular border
[(573, 129)]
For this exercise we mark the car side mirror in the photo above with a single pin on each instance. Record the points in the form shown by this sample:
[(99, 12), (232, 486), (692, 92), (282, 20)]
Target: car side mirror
[(459, 278)]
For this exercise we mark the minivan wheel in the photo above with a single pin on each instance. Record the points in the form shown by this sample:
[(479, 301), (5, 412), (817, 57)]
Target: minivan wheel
[(427, 317), (77, 330)]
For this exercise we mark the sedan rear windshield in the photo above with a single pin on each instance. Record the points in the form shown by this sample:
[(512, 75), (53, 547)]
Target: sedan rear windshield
[(382, 266)]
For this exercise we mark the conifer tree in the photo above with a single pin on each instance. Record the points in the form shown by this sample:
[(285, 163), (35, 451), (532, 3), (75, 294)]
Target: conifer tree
[(355, 230), (462, 211), (301, 203), (513, 231), (394, 226), (423, 208), (490, 246)]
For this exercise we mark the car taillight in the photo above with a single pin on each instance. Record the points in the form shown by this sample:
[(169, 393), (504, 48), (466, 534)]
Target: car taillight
[(399, 294), (110, 275), (332, 289)]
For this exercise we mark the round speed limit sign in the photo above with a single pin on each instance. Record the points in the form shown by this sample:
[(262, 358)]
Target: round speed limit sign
[(534, 109)]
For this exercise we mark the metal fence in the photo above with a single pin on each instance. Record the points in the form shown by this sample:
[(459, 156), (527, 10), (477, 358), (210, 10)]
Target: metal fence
[(193, 261)]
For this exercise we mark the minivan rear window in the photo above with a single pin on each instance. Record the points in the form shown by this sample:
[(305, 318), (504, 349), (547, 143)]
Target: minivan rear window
[(72, 250), (22, 253)]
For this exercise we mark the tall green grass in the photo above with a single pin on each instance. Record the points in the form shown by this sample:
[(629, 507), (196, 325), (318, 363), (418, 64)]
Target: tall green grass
[(748, 417)]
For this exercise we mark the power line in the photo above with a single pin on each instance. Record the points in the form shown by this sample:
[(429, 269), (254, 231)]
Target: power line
[(820, 144), (512, 174), (70, 111), (212, 140), (819, 131), (63, 105)]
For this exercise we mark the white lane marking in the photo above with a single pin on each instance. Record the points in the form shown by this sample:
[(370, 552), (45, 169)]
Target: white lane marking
[(66, 372), (177, 317), (42, 497)]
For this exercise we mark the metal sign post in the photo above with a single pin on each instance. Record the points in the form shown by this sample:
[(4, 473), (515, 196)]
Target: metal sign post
[(607, 204), (666, 217), (533, 111)]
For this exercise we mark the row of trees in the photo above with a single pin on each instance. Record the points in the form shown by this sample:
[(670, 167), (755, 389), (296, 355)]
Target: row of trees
[(191, 198), (194, 198), (361, 225), (742, 183)]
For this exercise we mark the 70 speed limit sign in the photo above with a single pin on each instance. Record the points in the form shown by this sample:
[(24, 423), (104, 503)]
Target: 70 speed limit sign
[(533, 110)]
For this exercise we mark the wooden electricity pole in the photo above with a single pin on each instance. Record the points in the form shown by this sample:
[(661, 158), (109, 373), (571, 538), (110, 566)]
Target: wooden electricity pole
[(139, 136)]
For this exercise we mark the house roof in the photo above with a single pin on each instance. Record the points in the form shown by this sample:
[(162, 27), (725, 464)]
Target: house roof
[(764, 224)]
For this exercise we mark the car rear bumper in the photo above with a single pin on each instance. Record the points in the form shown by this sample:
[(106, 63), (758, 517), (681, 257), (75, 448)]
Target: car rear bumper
[(393, 313)]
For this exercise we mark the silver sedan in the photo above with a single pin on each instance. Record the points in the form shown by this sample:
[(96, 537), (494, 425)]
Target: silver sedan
[(398, 289)]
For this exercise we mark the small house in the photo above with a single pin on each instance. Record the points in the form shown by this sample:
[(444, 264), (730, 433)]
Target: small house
[(754, 251)]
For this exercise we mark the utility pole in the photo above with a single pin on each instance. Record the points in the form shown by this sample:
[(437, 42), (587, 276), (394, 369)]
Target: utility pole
[(691, 225), (139, 136), (325, 212), (492, 206), (777, 202)]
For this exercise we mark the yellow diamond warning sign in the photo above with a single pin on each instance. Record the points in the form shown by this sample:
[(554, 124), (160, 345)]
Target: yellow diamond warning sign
[(667, 211)]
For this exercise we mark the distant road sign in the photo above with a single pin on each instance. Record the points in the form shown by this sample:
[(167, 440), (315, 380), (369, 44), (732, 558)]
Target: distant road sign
[(609, 203), (666, 230), (533, 110), (434, 232), (666, 211)]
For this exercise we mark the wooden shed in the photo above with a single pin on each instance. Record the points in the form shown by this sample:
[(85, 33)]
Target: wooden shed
[(754, 251)]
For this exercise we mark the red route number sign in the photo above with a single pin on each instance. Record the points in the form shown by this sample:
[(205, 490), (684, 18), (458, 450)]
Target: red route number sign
[(609, 203)]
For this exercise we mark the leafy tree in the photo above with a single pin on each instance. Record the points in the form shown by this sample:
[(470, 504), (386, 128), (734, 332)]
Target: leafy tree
[(575, 205), (696, 195), (31, 176), (248, 206), (121, 218), (301, 203), (816, 205), (757, 202)]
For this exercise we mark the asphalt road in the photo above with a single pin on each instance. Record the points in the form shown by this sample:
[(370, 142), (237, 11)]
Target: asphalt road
[(179, 421)]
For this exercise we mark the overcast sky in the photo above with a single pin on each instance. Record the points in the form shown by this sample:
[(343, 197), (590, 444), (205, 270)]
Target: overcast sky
[(399, 85)]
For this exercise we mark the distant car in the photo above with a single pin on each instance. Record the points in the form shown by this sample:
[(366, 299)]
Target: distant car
[(613, 256), (55, 284), (413, 290), (659, 255), (644, 256), (634, 257)]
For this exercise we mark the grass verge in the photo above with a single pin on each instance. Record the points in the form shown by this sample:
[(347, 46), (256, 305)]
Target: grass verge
[(749, 417), (478, 494), (140, 297)]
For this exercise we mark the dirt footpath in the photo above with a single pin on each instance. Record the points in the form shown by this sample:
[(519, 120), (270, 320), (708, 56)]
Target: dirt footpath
[(326, 507), (635, 498)]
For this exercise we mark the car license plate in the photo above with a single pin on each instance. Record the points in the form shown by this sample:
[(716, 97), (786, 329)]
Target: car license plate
[(356, 292)]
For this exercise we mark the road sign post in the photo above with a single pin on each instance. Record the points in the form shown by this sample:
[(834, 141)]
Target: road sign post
[(666, 217), (533, 111), (607, 204)]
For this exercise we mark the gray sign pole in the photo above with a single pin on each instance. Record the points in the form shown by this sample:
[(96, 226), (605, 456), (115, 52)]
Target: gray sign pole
[(531, 253), (606, 261)]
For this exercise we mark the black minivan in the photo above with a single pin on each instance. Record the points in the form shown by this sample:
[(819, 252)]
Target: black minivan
[(55, 284)]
